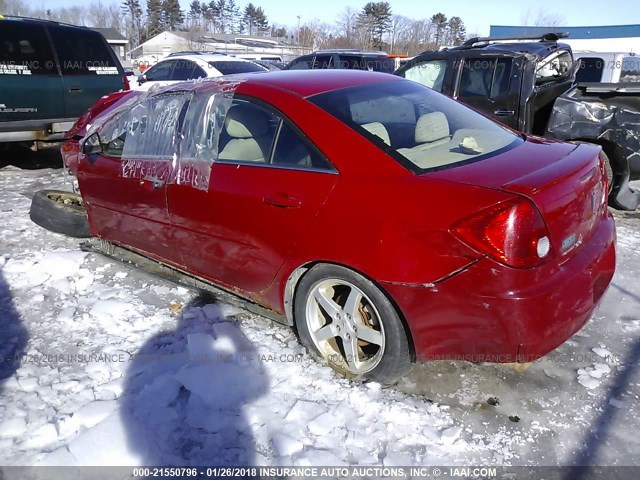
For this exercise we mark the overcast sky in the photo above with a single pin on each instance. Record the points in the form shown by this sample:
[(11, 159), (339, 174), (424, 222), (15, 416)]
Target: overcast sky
[(478, 15)]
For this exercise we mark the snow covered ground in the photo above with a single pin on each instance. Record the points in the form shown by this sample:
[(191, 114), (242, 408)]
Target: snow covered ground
[(124, 368)]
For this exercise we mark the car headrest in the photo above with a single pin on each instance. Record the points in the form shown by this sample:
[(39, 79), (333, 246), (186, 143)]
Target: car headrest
[(431, 127), (379, 130), (243, 121)]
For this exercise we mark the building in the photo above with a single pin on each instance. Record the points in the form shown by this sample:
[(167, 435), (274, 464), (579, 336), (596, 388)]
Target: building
[(117, 41), (168, 42), (609, 38)]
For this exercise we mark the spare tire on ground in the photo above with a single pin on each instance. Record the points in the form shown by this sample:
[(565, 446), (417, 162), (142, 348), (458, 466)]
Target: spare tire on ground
[(60, 212)]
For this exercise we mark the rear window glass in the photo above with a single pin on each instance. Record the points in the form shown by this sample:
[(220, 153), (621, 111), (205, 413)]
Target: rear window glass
[(229, 67), (590, 69), (25, 50), (422, 129), (83, 52)]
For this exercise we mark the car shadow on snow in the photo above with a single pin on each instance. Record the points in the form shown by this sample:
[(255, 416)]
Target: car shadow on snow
[(186, 389), (13, 334), (616, 401)]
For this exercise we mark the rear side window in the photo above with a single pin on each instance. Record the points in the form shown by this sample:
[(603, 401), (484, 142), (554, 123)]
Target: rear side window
[(161, 72), (485, 77), (430, 73), (590, 69), (25, 50), (373, 63), (229, 67), (323, 61), (83, 52), (303, 63), (183, 70), (630, 70)]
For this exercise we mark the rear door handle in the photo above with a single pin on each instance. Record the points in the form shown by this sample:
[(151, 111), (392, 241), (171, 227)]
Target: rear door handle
[(504, 113), (282, 200), (75, 88), (151, 182)]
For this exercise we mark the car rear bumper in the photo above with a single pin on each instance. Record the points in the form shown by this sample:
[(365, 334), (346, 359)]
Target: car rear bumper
[(35, 130), (493, 313)]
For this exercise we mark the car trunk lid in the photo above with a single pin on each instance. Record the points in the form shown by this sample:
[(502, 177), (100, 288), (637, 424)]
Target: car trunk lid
[(564, 181)]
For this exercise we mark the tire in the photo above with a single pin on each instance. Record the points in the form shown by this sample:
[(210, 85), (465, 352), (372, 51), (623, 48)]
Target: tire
[(60, 212), (336, 331)]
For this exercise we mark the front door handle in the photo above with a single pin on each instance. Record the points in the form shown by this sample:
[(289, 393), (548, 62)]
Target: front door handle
[(75, 88), (151, 182), (282, 200), (504, 113)]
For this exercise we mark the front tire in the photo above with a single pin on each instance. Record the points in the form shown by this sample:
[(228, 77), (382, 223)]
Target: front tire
[(346, 320)]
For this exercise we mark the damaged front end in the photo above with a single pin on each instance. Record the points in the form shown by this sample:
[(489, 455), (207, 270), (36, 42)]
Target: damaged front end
[(609, 115)]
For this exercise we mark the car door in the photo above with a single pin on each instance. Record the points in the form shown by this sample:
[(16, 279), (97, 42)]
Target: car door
[(125, 185), (89, 67), (30, 83), (491, 85), (266, 185), (161, 73)]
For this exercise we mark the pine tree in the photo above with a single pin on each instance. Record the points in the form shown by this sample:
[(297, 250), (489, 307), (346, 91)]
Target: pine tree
[(173, 16), (440, 22), (375, 18), (457, 31), (195, 14), (155, 20), (249, 18), (133, 10)]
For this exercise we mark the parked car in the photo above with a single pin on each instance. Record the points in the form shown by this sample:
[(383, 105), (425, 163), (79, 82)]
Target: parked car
[(344, 59), (179, 68), (530, 86), (50, 73), (384, 221)]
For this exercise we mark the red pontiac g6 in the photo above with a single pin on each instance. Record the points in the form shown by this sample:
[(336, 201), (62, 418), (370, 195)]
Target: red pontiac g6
[(384, 221)]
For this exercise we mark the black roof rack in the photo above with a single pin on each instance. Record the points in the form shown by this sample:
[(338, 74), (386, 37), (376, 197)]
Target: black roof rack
[(546, 37), (195, 52)]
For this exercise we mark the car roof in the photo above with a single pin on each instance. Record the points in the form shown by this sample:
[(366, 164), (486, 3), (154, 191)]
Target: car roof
[(41, 21), (303, 83)]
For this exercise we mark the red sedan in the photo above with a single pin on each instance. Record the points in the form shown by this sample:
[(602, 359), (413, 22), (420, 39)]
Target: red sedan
[(384, 221)]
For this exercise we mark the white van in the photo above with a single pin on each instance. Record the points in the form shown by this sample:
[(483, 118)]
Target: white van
[(607, 67)]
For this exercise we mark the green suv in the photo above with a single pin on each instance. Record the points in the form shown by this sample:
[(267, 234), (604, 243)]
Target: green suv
[(50, 74)]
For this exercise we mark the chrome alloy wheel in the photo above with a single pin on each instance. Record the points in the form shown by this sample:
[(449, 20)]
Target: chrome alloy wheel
[(345, 326)]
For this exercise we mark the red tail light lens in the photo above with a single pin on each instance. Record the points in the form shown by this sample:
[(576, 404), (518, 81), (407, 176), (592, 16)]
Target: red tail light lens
[(512, 232)]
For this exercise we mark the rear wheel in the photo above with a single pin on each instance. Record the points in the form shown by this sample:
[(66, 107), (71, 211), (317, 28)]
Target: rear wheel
[(347, 321)]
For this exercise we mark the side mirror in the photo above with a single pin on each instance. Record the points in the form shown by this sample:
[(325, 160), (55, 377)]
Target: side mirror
[(142, 79), (92, 145)]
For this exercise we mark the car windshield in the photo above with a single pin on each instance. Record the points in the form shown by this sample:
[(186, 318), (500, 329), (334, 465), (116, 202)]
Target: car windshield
[(422, 129), (229, 67)]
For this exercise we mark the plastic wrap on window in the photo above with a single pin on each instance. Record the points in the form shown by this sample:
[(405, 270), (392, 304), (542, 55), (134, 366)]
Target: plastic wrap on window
[(199, 142), (151, 142)]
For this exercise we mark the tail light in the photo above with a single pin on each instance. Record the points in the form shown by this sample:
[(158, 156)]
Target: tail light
[(511, 232), (125, 82)]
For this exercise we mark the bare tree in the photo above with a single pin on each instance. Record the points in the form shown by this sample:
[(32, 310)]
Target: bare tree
[(541, 18)]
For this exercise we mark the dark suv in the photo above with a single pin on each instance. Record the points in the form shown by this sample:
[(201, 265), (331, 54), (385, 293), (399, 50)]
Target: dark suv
[(350, 59), (528, 83), (50, 73)]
